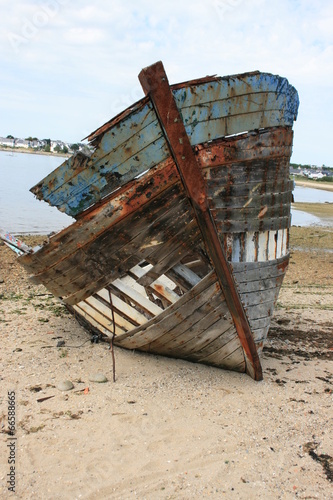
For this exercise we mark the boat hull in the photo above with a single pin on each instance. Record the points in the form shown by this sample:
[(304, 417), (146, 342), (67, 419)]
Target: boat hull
[(139, 265)]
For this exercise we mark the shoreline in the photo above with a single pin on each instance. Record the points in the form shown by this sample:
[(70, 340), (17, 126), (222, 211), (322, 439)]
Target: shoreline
[(29, 152), (324, 186)]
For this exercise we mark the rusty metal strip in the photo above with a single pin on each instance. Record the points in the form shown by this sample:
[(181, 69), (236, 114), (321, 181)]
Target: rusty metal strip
[(154, 82)]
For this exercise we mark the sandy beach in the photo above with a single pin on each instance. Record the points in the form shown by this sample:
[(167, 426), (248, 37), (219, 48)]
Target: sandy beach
[(169, 429), (326, 186)]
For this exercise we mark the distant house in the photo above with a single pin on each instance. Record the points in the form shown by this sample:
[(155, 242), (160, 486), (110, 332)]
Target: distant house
[(54, 144), (315, 175), (21, 143), (4, 141)]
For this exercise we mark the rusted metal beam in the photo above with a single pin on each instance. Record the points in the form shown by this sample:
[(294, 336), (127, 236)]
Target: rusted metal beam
[(154, 82)]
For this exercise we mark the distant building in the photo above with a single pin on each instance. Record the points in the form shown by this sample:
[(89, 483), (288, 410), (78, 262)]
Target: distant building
[(21, 143), (4, 141)]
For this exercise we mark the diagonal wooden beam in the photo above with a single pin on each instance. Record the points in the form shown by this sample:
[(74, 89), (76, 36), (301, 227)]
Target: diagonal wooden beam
[(154, 82)]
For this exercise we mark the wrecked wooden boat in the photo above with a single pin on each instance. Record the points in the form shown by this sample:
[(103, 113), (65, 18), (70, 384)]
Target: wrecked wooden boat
[(180, 243)]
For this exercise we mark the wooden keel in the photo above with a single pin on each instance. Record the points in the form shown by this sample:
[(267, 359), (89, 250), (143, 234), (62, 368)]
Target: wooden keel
[(155, 82)]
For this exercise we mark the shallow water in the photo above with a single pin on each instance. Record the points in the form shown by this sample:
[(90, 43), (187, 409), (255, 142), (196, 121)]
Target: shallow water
[(309, 195), (22, 213)]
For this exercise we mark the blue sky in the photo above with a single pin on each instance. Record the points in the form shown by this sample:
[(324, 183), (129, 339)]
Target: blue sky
[(68, 66)]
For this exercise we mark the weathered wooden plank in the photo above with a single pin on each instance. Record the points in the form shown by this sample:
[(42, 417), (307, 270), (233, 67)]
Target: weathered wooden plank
[(260, 310), (199, 132), (173, 320), (142, 225), (82, 196), (219, 88), (14, 244), (263, 144), (255, 246), (140, 239), (99, 318), (249, 213), (248, 188), (136, 297), (253, 271), (191, 320), (226, 181), (222, 350), (172, 253), (163, 291), (243, 104), (103, 307), (260, 285), (196, 337), (259, 297), (255, 200), (260, 334), (125, 310), (274, 224), (231, 361), (205, 283), (183, 276), (260, 323)]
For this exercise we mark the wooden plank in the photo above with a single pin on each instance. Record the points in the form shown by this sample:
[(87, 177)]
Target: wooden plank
[(173, 320), (249, 213), (84, 196), (98, 318), (190, 321), (110, 267), (90, 321), (97, 303), (256, 200), (263, 144), (249, 103), (123, 309), (136, 297), (210, 130), (222, 350), (249, 189), (270, 224), (255, 169), (14, 244), (183, 276), (170, 254), (219, 88), (260, 285), (260, 310), (202, 333), (260, 334), (259, 297), (230, 362), (162, 290), (205, 283)]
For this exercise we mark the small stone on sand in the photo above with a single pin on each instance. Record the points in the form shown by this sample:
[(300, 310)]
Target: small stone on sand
[(65, 385), (100, 378)]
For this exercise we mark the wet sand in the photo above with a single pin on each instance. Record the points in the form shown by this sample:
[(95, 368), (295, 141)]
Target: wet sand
[(169, 429)]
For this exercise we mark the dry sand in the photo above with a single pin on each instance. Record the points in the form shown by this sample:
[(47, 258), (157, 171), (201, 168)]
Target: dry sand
[(168, 428)]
